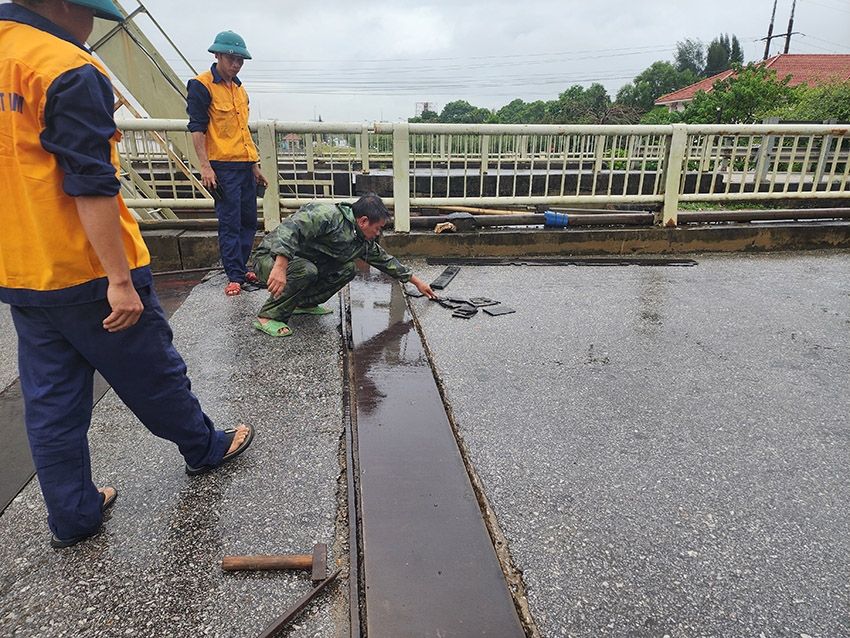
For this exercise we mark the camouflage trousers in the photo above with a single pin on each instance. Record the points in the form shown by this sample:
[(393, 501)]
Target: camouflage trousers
[(306, 285)]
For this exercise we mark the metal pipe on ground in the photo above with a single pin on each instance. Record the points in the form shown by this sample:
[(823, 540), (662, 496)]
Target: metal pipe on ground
[(538, 219), (646, 218), (576, 219), (479, 211), (706, 217)]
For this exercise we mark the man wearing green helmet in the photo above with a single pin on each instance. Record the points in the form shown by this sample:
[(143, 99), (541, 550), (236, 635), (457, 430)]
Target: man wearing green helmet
[(218, 120), (75, 270)]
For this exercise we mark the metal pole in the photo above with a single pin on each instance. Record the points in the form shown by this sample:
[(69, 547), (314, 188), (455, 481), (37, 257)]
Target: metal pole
[(790, 27), (769, 32)]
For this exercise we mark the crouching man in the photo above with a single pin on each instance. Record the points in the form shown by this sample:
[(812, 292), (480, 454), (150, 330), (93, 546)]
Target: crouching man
[(310, 256)]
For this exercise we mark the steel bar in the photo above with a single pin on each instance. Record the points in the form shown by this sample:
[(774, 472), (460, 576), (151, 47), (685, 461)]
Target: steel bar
[(280, 622), (559, 261), (351, 472), (764, 215)]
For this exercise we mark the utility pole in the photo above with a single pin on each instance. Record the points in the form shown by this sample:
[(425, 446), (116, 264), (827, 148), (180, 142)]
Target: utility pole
[(790, 27), (769, 32)]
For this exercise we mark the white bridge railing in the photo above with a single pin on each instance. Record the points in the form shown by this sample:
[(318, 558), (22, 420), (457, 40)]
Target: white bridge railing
[(504, 166)]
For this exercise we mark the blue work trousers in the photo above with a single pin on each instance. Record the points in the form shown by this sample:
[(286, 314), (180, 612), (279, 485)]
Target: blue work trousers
[(237, 216), (59, 348)]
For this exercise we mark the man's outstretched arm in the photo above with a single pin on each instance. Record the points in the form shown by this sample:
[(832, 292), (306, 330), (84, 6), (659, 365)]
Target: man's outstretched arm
[(422, 287)]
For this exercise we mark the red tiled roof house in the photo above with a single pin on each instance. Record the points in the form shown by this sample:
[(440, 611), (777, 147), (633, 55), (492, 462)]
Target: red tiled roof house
[(809, 69)]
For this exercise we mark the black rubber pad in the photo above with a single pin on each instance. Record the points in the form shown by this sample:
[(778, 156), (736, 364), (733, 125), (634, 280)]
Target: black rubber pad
[(451, 302), (445, 278), (498, 310), (465, 312), (482, 301)]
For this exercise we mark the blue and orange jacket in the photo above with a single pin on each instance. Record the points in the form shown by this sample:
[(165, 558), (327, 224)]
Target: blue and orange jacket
[(57, 141), (221, 112)]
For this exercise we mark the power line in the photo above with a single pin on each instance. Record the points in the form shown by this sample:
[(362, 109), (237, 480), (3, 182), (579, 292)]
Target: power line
[(844, 7), (461, 61)]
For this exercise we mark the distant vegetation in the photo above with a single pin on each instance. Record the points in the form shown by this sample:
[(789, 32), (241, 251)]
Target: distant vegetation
[(753, 94)]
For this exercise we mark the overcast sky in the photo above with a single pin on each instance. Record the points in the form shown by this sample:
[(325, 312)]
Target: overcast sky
[(349, 61)]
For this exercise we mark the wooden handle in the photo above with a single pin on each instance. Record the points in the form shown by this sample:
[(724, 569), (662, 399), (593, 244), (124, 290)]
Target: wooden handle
[(293, 561)]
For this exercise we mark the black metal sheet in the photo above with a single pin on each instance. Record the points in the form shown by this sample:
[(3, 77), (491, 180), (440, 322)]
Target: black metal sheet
[(559, 261), (429, 567)]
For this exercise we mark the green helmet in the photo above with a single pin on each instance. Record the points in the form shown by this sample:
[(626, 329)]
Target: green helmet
[(102, 9), (230, 43)]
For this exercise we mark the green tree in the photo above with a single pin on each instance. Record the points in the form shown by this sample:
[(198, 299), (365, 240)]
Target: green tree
[(690, 56), (722, 53), (568, 108), (736, 53), (661, 115), (746, 97), (578, 105), (427, 116), (535, 113), (510, 113), (462, 112), (819, 103), (659, 79), (598, 103), (520, 112)]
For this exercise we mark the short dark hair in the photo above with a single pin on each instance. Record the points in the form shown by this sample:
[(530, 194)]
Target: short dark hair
[(371, 207)]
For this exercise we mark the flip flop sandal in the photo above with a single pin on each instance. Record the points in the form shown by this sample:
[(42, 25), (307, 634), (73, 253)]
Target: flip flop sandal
[(252, 280), (273, 328), (232, 289), (107, 501), (105, 504), (231, 434), (313, 310)]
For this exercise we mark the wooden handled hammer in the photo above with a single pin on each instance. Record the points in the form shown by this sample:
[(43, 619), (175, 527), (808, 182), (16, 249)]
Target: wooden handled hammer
[(317, 562)]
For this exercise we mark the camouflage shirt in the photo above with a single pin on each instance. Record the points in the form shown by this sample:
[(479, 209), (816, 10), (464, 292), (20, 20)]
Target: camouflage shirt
[(328, 236)]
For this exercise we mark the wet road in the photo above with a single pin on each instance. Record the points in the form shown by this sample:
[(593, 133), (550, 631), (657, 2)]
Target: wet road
[(663, 449), (154, 570)]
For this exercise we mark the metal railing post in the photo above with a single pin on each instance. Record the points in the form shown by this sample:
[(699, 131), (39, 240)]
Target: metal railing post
[(673, 166), (364, 150), (310, 152), (268, 164), (401, 176), (764, 156), (826, 143)]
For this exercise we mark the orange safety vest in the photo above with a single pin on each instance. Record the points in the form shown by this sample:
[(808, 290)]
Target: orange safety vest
[(228, 137), (44, 249)]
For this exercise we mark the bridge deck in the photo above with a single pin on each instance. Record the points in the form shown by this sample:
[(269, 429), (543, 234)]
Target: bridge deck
[(663, 450)]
